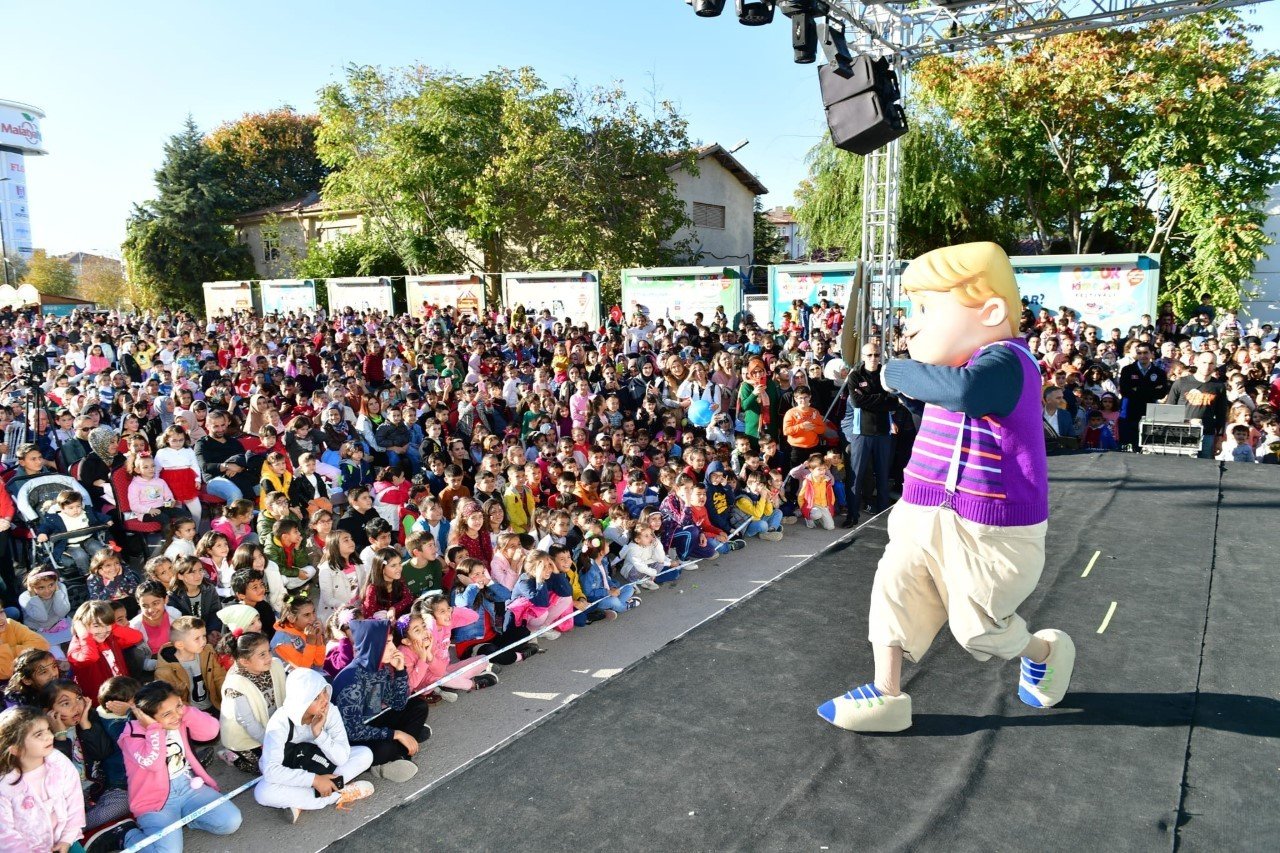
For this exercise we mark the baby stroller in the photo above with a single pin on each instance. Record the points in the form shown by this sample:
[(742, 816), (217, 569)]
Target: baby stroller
[(34, 499)]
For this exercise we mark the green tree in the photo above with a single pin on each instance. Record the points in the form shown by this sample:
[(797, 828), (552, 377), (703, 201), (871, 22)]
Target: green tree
[(358, 254), (102, 281), (268, 158), (946, 194), (178, 241), (768, 246), (46, 274), (463, 174), (1161, 138)]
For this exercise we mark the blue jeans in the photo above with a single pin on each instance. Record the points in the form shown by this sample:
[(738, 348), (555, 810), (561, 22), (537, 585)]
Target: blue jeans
[(183, 800), (223, 488), (668, 575), (616, 603), (770, 522), (685, 544), (1206, 446)]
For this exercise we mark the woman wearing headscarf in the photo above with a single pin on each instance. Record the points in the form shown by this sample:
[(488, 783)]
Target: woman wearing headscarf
[(760, 402), (104, 457)]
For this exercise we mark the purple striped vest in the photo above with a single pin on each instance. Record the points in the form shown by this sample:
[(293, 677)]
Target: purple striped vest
[(1001, 476)]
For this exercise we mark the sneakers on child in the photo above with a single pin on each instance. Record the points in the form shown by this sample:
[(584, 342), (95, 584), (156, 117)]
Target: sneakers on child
[(867, 709), (808, 522), (111, 838), (400, 770), (634, 601), (353, 791), (736, 544), (553, 634), (446, 694), (609, 615), (693, 567), (485, 679), (647, 584), (771, 535), (1042, 685), (789, 519)]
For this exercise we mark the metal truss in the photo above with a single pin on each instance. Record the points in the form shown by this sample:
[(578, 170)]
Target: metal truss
[(910, 31)]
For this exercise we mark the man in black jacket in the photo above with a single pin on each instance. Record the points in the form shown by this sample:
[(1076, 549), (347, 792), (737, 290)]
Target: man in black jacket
[(1140, 383), (359, 512), (870, 431), (221, 460)]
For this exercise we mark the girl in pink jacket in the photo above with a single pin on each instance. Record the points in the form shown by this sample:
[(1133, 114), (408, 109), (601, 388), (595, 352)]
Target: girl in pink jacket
[(166, 780), (41, 805)]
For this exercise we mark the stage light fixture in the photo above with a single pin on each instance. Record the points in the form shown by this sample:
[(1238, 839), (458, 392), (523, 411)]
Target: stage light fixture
[(708, 8), (836, 49), (755, 13), (804, 39)]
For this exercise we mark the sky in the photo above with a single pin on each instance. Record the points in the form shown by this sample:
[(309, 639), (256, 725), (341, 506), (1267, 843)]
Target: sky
[(117, 80)]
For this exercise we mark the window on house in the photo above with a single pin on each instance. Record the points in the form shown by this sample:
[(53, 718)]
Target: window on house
[(270, 248), (708, 215)]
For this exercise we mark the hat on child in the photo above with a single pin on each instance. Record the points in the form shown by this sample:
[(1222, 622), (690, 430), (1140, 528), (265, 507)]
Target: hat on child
[(237, 618)]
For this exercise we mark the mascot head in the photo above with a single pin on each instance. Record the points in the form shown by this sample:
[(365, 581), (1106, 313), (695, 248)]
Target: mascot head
[(963, 298)]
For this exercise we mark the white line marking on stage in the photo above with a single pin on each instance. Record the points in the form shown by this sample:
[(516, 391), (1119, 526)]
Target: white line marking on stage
[(728, 600), (605, 673), (1092, 560), (1111, 611), (534, 723), (541, 697)]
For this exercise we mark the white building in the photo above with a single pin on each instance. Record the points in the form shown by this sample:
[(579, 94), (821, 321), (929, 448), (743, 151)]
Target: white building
[(720, 201), (789, 230)]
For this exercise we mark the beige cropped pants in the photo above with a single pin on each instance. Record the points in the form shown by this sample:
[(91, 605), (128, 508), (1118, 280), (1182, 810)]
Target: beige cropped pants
[(940, 569)]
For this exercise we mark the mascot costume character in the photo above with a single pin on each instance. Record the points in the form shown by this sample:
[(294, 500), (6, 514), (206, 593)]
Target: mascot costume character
[(966, 542)]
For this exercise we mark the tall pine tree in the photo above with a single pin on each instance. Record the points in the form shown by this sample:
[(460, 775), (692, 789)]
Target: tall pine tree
[(178, 241)]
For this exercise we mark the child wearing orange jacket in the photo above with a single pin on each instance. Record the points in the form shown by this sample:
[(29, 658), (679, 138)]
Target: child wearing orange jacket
[(299, 638), (803, 426)]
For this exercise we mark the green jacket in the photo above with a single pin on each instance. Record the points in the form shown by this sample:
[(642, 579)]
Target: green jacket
[(276, 554), (750, 405)]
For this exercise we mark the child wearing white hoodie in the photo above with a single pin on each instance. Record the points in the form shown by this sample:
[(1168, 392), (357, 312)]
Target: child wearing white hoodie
[(307, 761)]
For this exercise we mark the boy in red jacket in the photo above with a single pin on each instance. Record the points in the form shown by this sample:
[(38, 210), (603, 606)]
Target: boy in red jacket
[(715, 536), (97, 651)]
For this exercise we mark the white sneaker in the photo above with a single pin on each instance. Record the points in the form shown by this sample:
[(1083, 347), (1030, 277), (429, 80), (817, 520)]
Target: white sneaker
[(446, 695), (353, 791), (1042, 685), (692, 567), (771, 535), (808, 522), (647, 584), (866, 709), (553, 634)]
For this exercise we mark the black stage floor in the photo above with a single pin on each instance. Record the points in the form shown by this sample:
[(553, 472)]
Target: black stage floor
[(1169, 738)]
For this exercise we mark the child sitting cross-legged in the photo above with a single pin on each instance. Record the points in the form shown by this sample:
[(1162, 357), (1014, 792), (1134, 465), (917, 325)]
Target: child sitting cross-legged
[(599, 588), (81, 736), (97, 650), (425, 647), (372, 693), (251, 692), (386, 593), (288, 565), (308, 761)]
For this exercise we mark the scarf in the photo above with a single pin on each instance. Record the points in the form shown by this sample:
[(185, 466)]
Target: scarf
[(104, 444)]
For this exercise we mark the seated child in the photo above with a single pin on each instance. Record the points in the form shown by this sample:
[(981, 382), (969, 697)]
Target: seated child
[(715, 536), (110, 580), (299, 638), (214, 553), (45, 608), (163, 769), (97, 650), (31, 671), (50, 803), (586, 614), (68, 515), (339, 650), (386, 593), (251, 692), (372, 694), (182, 539), (644, 558), (424, 572), (298, 778), (596, 583), (380, 534), (250, 588), (339, 574), (288, 564), (149, 496), (154, 619), (80, 735), (542, 596), (754, 507), (190, 664), (508, 560), (425, 648), (235, 523), (192, 594), (817, 499)]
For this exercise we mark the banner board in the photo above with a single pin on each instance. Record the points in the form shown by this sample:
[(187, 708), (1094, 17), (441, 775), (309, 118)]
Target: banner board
[(810, 283), (462, 292), (221, 298), (371, 293), (573, 295), (678, 293), (282, 295), (1109, 291)]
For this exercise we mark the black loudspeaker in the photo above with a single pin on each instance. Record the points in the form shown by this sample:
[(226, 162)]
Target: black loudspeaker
[(863, 113), (708, 8), (804, 39), (755, 13)]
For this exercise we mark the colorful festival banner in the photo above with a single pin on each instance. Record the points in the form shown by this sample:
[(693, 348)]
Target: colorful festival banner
[(677, 293), (574, 295), (463, 292), (1109, 291), (810, 283), (282, 295)]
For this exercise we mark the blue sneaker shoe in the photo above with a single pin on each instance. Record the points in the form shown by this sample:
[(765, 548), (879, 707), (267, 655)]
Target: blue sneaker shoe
[(866, 709), (1042, 685)]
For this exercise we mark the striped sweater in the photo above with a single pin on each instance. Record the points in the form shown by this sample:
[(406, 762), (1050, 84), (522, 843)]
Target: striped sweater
[(992, 407)]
